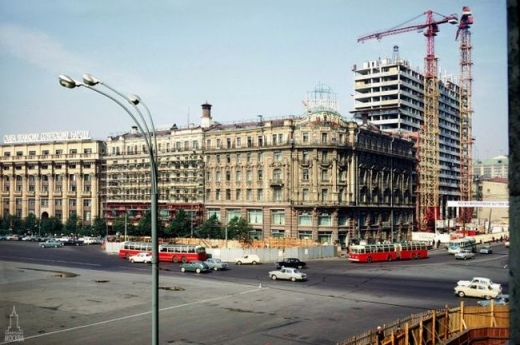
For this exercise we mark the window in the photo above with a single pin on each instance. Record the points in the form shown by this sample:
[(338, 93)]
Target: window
[(277, 174), (72, 202), (260, 157), (238, 176), (324, 195), (277, 194), (238, 194), (228, 158), (304, 219), (87, 202), (325, 219), (305, 174), (278, 217), (232, 213), (305, 194), (260, 194), (249, 176), (277, 156), (73, 151), (228, 143), (248, 157), (324, 138), (217, 176), (218, 143), (239, 157), (255, 216), (228, 194), (239, 141), (32, 153), (208, 144), (218, 158), (217, 194), (45, 202), (249, 194), (186, 145), (260, 175), (305, 137), (305, 156), (213, 212), (324, 174), (261, 140), (228, 176)]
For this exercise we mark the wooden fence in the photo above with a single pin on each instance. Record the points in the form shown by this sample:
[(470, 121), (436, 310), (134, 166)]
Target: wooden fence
[(445, 326)]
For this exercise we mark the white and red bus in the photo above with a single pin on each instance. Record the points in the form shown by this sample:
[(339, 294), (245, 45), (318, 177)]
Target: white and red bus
[(167, 252), (388, 252)]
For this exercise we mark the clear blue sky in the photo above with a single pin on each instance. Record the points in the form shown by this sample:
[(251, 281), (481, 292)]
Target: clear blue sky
[(246, 58)]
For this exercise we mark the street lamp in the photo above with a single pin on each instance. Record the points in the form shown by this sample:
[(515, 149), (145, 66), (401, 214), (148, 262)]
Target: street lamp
[(147, 131)]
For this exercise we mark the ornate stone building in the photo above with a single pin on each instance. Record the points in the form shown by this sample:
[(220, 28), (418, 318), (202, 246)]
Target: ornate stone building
[(316, 176), (51, 174)]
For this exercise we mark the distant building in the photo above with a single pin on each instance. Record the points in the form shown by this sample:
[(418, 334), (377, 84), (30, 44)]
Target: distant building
[(494, 189), (51, 175), (493, 167)]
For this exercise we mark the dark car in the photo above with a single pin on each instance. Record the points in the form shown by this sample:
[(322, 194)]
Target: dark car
[(73, 242), (291, 262)]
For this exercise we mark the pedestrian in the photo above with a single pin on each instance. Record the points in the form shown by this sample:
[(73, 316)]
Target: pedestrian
[(438, 244), (380, 335)]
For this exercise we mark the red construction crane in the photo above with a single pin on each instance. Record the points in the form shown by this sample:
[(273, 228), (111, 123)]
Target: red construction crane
[(466, 113), (428, 146)]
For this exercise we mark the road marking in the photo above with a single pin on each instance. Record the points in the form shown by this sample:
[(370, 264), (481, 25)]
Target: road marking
[(138, 315), (48, 260)]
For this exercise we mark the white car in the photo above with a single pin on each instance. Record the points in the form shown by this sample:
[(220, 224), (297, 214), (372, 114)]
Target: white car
[(464, 255), (144, 257), (479, 280), (288, 273), (479, 290), (251, 259), (499, 300)]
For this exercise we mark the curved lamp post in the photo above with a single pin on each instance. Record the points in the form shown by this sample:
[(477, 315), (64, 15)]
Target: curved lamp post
[(147, 131)]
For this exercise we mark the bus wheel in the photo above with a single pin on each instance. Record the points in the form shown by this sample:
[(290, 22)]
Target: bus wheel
[(369, 259), (175, 259), (184, 260), (413, 256), (389, 258), (418, 255)]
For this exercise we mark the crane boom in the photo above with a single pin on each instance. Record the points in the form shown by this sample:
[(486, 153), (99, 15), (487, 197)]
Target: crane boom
[(428, 139)]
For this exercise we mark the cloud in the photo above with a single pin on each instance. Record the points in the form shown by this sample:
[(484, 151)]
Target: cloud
[(38, 49)]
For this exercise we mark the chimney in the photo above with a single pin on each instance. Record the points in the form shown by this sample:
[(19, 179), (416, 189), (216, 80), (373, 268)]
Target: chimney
[(206, 110), (134, 130), (206, 120)]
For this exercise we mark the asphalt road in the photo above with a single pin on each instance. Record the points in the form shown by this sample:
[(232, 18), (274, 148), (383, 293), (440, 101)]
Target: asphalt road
[(80, 295)]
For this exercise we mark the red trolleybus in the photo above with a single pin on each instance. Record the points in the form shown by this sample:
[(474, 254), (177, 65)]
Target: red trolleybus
[(168, 252), (388, 252)]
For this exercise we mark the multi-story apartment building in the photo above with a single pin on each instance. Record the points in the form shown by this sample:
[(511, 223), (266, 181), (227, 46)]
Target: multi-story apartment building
[(390, 93), (51, 174), (317, 176)]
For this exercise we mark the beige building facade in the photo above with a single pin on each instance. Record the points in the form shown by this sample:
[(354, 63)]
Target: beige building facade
[(51, 175)]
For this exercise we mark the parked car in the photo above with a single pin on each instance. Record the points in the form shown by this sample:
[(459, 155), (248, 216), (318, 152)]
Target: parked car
[(486, 250), (479, 280), (506, 244), (14, 237), (288, 273), (479, 290), (90, 240), (143, 257), (194, 266), (3, 237), (73, 242), (216, 264), (251, 259), (502, 299), (51, 244), (464, 255), (290, 262)]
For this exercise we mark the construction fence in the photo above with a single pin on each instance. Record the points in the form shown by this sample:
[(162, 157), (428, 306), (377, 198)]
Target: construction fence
[(456, 326)]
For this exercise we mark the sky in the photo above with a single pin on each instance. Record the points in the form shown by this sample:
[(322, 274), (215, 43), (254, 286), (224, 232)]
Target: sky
[(246, 58)]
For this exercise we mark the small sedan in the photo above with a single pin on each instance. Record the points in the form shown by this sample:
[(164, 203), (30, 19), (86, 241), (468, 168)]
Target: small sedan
[(143, 257), (216, 264), (194, 266), (51, 244), (465, 255), (502, 299), (479, 290), (486, 250), (288, 273)]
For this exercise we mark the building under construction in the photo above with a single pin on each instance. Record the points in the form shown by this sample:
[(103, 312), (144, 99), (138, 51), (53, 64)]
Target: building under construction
[(389, 93)]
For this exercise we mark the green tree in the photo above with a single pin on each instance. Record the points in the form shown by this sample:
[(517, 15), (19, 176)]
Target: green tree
[(30, 223), (239, 229), (180, 226), (210, 229), (51, 225), (99, 226), (118, 225), (73, 224)]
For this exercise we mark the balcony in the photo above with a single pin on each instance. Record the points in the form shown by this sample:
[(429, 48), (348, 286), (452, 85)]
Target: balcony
[(276, 182)]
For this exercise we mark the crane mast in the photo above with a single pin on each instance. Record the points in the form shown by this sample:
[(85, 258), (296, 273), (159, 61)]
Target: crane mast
[(466, 112), (428, 139)]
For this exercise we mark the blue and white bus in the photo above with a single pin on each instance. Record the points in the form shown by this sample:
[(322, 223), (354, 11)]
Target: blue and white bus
[(469, 243)]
